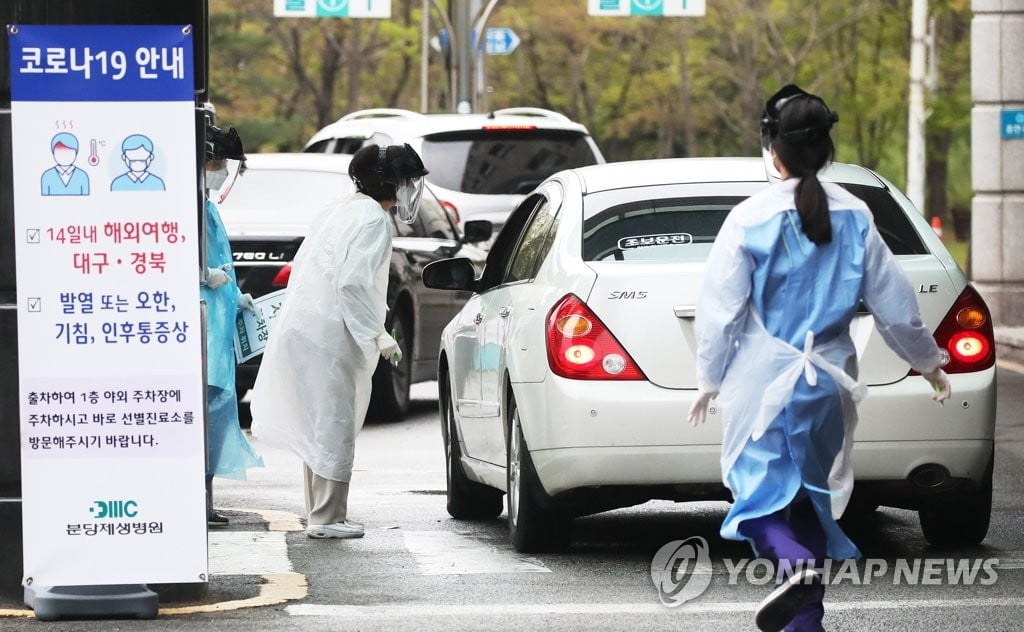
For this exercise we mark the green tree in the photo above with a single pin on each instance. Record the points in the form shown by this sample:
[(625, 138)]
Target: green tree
[(645, 87)]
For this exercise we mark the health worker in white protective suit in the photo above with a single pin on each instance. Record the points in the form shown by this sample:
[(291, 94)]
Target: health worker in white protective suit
[(782, 284), (313, 388)]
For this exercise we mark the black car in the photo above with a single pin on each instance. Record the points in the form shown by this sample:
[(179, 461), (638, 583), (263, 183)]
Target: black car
[(267, 215)]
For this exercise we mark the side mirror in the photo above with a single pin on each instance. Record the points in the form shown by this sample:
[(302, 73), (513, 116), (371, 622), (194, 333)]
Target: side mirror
[(476, 231), (451, 274)]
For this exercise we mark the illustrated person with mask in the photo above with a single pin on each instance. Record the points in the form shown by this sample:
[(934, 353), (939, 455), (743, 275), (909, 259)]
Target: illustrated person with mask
[(313, 388), (783, 281), (137, 153), (229, 452)]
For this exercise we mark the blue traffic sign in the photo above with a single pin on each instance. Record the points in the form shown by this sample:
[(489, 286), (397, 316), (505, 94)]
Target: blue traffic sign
[(501, 41), (1011, 123)]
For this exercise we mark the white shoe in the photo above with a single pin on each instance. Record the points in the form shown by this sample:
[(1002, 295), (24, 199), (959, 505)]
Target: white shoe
[(782, 605), (336, 530)]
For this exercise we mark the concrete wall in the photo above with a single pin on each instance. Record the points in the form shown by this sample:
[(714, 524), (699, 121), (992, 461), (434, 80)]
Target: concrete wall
[(997, 164)]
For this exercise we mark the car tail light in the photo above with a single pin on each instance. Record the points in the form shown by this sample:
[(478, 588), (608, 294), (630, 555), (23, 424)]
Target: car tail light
[(282, 276), (966, 333), (452, 210), (580, 347)]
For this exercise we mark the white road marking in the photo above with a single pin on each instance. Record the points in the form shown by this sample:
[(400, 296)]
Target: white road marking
[(1010, 365), (389, 611), (445, 553), (1008, 561), (248, 553)]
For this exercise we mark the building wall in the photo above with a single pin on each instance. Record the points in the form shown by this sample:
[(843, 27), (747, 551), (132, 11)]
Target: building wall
[(997, 164)]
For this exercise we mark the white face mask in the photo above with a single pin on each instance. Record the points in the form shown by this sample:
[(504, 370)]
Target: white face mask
[(216, 179)]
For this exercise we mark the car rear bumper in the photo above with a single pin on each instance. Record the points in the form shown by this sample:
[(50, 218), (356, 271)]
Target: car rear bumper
[(584, 434), (894, 472)]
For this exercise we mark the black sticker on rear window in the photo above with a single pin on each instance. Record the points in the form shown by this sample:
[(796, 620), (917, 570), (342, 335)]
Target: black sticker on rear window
[(667, 239)]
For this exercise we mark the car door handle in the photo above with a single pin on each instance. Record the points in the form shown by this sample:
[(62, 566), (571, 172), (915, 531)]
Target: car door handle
[(685, 311), (505, 311), (479, 318)]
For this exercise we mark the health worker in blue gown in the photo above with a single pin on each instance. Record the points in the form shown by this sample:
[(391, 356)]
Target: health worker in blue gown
[(783, 281), (229, 451)]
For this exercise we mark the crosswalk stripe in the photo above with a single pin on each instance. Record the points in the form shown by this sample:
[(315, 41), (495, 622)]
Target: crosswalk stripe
[(446, 553), (390, 611), (248, 553)]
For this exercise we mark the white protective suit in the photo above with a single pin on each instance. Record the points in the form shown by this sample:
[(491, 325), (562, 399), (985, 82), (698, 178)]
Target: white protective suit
[(313, 386), (773, 339)]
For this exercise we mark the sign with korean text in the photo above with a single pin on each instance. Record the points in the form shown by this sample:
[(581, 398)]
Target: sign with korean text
[(332, 8), (668, 8), (109, 330), (1011, 124), (252, 330)]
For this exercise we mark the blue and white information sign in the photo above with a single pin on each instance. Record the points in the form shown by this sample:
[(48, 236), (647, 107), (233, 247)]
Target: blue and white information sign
[(109, 330), (332, 8), (1011, 124), (668, 8), (501, 41)]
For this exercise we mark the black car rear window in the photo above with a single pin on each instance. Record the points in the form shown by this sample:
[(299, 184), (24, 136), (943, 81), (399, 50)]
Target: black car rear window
[(890, 219), (496, 162), (683, 228)]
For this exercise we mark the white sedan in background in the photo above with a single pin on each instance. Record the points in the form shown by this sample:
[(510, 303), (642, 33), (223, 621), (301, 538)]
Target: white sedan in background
[(565, 380)]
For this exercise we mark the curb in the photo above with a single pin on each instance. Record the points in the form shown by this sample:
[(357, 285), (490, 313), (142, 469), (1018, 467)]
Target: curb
[(277, 588)]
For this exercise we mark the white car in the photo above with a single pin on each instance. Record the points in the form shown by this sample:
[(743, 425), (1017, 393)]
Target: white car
[(481, 165), (565, 380)]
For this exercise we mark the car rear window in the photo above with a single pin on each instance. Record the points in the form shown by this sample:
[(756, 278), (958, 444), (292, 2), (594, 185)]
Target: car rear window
[(285, 196), (683, 228), (495, 162)]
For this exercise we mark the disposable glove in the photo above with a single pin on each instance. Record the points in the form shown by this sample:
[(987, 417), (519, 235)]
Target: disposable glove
[(388, 347), (215, 277), (940, 384), (699, 409), (245, 302)]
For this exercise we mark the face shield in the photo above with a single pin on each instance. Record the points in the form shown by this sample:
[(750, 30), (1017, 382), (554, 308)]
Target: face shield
[(407, 196), (225, 161), (221, 176), (405, 170)]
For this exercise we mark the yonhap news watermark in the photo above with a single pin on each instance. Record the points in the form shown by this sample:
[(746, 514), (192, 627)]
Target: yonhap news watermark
[(682, 571)]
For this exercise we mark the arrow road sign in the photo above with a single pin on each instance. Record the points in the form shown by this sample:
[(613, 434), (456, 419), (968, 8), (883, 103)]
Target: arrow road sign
[(501, 41)]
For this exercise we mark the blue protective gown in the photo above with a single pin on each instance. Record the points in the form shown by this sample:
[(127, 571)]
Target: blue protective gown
[(773, 339), (229, 451)]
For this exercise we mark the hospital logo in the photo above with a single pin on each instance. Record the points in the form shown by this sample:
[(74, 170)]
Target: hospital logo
[(681, 570), (114, 509)]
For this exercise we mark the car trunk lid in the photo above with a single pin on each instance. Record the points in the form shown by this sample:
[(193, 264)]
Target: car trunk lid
[(650, 308)]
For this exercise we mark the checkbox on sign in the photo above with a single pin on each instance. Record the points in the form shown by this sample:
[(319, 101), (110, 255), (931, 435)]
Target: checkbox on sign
[(32, 235), (35, 304)]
